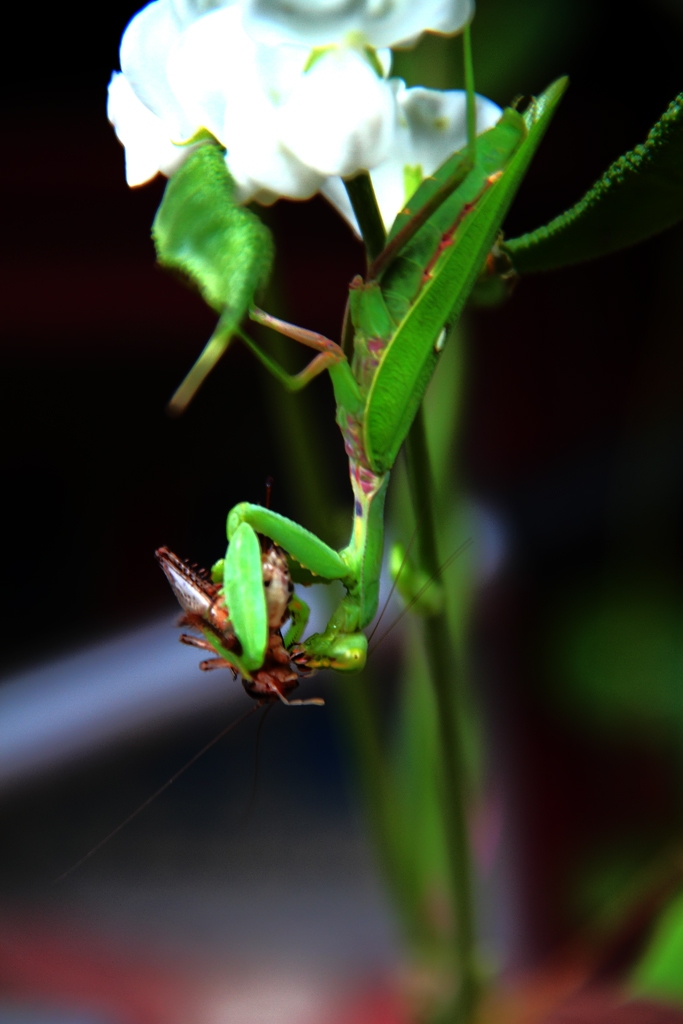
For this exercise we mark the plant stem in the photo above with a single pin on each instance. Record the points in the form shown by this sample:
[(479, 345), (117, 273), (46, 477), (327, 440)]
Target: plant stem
[(364, 203), (447, 688), (471, 98)]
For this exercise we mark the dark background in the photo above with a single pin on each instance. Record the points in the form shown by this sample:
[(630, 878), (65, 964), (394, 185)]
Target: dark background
[(572, 435)]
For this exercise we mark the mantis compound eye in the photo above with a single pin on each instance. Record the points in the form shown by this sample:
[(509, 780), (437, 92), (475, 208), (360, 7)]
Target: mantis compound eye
[(348, 654)]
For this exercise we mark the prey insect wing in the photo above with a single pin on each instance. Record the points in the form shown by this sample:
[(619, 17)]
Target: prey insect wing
[(195, 594)]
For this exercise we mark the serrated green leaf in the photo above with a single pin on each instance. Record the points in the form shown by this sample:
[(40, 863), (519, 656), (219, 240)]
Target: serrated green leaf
[(638, 196), (221, 247), (410, 358)]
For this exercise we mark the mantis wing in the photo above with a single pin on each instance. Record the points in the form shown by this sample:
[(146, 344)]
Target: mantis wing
[(410, 358)]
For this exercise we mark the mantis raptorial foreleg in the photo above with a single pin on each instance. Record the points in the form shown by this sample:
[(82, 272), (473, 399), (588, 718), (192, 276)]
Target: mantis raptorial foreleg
[(342, 645), (307, 549)]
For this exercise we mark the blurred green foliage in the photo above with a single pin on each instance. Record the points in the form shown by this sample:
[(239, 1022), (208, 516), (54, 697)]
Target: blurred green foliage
[(618, 659), (660, 972)]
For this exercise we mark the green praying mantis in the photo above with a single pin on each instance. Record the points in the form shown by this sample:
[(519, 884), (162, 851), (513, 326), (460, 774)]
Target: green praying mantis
[(398, 320)]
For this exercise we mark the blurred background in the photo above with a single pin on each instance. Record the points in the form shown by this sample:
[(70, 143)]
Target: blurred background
[(571, 445)]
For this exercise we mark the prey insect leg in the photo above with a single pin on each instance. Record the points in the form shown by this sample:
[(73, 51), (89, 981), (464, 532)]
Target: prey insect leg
[(316, 701), (195, 641), (211, 663)]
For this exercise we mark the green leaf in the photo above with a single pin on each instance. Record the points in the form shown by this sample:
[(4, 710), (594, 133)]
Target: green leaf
[(638, 196), (410, 358), (221, 247), (660, 971), (245, 596)]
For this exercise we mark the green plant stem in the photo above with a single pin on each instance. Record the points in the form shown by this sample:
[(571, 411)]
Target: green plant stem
[(447, 689), (364, 203), (471, 98)]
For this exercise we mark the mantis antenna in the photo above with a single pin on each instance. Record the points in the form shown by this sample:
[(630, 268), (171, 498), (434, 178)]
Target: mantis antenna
[(416, 597), (397, 577), (159, 791)]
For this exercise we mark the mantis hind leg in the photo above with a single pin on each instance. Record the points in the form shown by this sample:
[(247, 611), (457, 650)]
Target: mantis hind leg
[(297, 381)]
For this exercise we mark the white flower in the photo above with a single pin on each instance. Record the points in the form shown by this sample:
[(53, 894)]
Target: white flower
[(144, 135), (376, 23), (432, 125), (228, 87), (340, 116), (287, 119)]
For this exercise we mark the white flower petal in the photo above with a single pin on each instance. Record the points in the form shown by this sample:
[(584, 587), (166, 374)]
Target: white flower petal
[(261, 165), (312, 22), (145, 48), (204, 69), (188, 11), (340, 117), (144, 135), (231, 85), (334, 191), (385, 57), (402, 22), (434, 123), (329, 22)]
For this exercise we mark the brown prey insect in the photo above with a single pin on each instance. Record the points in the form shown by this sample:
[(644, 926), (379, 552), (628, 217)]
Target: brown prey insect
[(205, 611)]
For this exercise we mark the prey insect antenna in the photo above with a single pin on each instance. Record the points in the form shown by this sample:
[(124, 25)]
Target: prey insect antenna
[(257, 764), (159, 791), (451, 558), (395, 582)]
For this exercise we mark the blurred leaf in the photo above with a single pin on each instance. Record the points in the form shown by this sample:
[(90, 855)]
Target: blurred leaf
[(221, 247), (621, 660), (660, 972), (638, 196), (417, 772), (616, 878)]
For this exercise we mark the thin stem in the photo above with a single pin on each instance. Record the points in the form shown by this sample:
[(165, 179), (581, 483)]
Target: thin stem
[(469, 88), (447, 689), (364, 203)]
